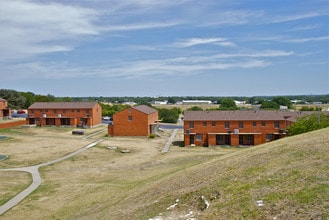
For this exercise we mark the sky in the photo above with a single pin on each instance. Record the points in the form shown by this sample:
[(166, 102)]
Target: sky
[(82, 48)]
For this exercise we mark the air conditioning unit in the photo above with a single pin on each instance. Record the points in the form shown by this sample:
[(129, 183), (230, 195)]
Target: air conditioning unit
[(59, 115), (44, 116), (236, 131)]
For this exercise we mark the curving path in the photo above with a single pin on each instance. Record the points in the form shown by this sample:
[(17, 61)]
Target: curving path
[(36, 178)]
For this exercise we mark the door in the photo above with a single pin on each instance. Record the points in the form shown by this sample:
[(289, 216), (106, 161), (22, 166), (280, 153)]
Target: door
[(192, 139)]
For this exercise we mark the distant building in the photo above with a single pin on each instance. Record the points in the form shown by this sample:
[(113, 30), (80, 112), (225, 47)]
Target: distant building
[(5, 112), (129, 103), (160, 102), (139, 120), (84, 114), (240, 102), (196, 102), (235, 128)]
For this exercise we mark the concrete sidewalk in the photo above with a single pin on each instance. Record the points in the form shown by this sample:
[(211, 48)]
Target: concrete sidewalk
[(165, 149), (36, 178)]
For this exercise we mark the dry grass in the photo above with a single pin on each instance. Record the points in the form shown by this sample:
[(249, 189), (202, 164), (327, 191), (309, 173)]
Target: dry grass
[(289, 175), (31, 146), (11, 183)]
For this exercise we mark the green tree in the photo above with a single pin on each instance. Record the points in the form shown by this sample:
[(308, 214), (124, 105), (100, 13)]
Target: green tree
[(227, 104), (284, 101), (14, 98), (269, 105), (309, 123), (110, 110), (195, 108), (169, 115)]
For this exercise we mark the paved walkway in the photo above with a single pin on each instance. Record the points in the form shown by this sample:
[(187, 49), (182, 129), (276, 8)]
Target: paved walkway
[(36, 178), (165, 149)]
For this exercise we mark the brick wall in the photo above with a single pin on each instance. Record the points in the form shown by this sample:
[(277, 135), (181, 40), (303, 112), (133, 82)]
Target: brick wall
[(73, 117), (12, 124), (131, 122), (209, 129)]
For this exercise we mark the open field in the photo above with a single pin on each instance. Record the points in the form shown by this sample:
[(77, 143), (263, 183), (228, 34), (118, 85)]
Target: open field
[(289, 175), (247, 106)]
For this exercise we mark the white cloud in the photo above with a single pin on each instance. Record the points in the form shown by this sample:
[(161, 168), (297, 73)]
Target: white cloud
[(199, 41), (294, 17), (288, 39), (305, 27), (29, 28), (305, 40), (139, 26), (190, 65)]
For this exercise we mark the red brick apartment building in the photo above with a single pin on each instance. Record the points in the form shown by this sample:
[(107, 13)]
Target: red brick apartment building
[(84, 114), (5, 112), (135, 121), (236, 128)]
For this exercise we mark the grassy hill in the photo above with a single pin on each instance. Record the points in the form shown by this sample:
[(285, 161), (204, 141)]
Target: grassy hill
[(285, 179)]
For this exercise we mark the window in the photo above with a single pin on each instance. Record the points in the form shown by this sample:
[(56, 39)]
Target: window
[(191, 124), (269, 137), (240, 124), (78, 110), (263, 123), (276, 124), (213, 123), (37, 120), (87, 111), (248, 137), (64, 111), (205, 124), (32, 111), (72, 110), (199, 137), (130, 118), (227, 124), (254, 123), (55, 111)]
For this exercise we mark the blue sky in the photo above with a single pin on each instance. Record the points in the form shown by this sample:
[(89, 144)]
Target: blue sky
[(165, 48)]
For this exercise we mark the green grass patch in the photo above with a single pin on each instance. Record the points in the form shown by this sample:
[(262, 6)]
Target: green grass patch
[(310, 194)]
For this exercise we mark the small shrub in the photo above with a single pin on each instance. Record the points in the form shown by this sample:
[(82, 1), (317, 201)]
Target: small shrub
[(151, 136)]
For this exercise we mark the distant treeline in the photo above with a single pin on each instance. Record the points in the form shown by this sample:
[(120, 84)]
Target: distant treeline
[(22, 100), (302, 99)]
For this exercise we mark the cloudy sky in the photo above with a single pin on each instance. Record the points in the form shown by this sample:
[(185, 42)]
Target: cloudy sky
[(165, 48)]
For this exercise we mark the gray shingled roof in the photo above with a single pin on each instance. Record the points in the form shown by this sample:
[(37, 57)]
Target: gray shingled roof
[(145, 109), (242, 115), (62, 105)]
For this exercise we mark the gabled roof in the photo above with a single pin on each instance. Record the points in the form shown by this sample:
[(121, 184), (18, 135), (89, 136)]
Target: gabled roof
[(62, 105), (145, 109), (265, 115), (1, 99)]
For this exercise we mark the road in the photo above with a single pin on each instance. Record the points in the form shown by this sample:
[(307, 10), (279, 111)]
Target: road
[(36, 178)]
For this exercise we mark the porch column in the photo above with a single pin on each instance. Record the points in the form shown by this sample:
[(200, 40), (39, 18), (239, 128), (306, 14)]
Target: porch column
[(211, 139), (235, 140)]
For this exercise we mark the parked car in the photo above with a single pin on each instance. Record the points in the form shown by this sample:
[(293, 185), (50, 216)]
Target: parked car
[(20, 112)]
